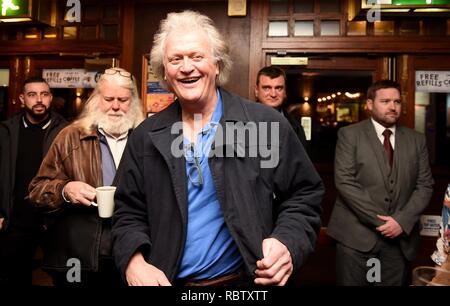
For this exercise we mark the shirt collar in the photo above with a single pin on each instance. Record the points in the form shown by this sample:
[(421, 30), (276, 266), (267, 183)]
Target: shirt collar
[(43, 125), (380, 129), (106, 134)]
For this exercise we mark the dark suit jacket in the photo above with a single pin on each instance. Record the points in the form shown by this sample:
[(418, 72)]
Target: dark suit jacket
[(367, 188)]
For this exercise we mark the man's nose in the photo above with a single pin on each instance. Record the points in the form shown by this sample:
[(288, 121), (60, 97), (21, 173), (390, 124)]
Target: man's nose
[(187, 64), (273, 92), (115, 104)]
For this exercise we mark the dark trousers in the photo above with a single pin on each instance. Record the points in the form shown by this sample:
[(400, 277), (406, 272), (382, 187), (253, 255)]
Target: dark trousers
[(17, 251), (107, 276), (355, 268)]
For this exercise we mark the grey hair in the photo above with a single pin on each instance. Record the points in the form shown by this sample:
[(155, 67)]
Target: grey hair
[(190, 21), (88, 121)]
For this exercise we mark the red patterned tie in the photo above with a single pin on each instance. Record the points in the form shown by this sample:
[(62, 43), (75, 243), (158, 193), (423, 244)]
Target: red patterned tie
[(387, 146)]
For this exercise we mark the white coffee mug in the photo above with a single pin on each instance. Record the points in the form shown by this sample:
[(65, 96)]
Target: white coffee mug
[(105, 201)]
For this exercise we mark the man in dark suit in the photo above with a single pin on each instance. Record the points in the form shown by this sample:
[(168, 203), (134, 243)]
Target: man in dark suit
[(271, 90), (384, 183)]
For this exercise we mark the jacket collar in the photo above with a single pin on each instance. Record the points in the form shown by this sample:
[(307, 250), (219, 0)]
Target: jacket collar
[(232, 110), (88, 133)]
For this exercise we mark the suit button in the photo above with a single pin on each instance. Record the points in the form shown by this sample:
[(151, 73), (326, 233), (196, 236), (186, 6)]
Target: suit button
[(392, 191), (392, 182), (386, 199)]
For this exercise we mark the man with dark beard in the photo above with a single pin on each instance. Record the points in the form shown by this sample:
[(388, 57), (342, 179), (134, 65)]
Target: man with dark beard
[(24, 140), (86, 155)]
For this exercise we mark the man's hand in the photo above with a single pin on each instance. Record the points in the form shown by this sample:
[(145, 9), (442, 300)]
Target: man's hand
[(391, 228), (276, 266), (141, 273), (79, 193), (1, 223)]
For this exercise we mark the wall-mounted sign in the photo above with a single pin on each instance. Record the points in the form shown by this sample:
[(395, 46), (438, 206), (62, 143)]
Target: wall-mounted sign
[(14, 8), (288, 60), (430, 225), (433, 81), (41, 11), (70, 78), (237, 7), (158, 98)]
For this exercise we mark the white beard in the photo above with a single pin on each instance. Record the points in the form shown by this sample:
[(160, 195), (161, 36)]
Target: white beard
[(115, 127)]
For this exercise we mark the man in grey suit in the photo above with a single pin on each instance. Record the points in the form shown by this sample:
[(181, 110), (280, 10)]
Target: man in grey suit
[(384, 183)]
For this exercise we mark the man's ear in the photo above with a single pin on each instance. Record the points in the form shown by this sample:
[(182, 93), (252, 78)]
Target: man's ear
[(22, 98), (369, 103)]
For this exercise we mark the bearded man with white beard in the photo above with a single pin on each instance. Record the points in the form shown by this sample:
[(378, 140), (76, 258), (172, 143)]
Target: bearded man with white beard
[(86, 155)]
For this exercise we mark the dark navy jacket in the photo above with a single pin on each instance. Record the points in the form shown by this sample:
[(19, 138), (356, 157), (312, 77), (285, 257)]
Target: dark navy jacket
[(151, 198)]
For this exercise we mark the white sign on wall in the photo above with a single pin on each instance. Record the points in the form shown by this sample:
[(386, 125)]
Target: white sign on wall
[(430, 225), (70, 78), (433, 81)]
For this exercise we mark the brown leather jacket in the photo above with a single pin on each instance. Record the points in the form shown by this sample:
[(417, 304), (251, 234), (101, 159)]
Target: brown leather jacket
[(74, 231), (74, 156)]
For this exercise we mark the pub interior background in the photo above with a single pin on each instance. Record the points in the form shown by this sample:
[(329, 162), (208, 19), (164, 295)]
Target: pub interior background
[(330, 50)]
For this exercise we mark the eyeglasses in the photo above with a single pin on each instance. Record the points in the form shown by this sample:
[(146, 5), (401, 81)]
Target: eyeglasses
[(125, 74), (194, 173)]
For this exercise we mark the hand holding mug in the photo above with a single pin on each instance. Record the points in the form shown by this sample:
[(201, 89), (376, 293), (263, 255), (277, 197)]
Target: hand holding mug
[(105, 201)]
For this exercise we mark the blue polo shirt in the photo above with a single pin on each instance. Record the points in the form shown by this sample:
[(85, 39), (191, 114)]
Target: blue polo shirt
[(210, 251)]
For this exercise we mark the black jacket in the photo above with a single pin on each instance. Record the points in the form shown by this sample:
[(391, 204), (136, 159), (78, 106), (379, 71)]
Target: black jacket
[(151, 199), (9, 141)]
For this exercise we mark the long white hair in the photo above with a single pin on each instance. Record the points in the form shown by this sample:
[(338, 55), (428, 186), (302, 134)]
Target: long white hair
[(91, 114)]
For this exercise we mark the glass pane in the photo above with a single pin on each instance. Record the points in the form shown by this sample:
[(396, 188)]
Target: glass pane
[(110, 32), (111, 11), (384, 28), (4, 83), (436, 27), (330, 28), (31, 33), (422, 100), (11, 33), (91, 12), (278, 28), (304, 6), (50, 33), (278, 7), (304, 28), (409, 27), (328, 105), (69, 32), (355, 28), (88, 32), (330, 6)]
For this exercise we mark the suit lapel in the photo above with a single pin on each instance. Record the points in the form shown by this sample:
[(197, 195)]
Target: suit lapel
[(378, 150)]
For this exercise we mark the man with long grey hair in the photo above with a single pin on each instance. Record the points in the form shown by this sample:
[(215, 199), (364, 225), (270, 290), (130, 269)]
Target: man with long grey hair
[(189, 210), (86, 155)]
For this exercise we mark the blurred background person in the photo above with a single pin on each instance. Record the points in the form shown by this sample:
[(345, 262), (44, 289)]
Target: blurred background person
[(271, 90), (24, 141), (86, 155)]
